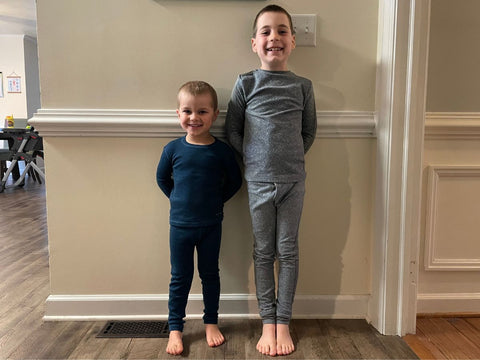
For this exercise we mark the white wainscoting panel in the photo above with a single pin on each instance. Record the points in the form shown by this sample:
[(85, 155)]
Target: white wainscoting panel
[(452, 226)]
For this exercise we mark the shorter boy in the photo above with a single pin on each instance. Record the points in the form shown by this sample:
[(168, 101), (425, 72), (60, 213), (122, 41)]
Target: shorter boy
[(198, 173)]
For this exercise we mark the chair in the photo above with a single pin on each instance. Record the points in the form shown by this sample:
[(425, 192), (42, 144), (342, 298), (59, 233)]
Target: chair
[(5, 155), (26, 146), (33, 149)]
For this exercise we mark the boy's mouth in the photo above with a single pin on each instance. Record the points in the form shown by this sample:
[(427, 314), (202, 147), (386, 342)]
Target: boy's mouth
[(195, 125), (275, 49)]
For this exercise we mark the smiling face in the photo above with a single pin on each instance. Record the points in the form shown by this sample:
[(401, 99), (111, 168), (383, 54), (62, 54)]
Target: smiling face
[(196, 114), (273, 41)]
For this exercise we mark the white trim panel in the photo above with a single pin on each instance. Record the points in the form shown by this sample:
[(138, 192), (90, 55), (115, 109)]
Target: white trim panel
[(130, 307), (448, 303), (346, 124), (164, 123), (452, 125), (400, 102), (432, 261)]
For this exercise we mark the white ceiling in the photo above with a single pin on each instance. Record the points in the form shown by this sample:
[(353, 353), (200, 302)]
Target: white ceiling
[(18, 17)]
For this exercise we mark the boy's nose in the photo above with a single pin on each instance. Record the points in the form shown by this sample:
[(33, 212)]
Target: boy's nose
[(273, 36)]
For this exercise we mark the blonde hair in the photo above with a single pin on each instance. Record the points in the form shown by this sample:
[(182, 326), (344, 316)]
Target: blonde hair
[(195, 88)]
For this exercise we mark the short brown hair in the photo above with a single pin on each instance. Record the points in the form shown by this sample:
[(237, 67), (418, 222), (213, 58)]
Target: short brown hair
[(200, 87), (272, 8)]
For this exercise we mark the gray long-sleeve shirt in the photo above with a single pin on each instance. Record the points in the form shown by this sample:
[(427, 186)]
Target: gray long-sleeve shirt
[(271, 121)]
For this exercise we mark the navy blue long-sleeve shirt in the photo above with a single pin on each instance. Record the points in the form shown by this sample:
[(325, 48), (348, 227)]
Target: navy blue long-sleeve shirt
[(198, 180)]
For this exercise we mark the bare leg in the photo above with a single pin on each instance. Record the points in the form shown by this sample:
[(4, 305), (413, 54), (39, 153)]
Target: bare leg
[(214, 335), (175, 343), (267, 344), (284, 340)]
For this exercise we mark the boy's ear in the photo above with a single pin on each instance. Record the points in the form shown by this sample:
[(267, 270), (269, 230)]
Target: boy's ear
[(254, 45), (215, 114), (178, 113), (294, 42)]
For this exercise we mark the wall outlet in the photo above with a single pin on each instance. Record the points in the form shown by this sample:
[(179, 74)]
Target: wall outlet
[(305, 26)]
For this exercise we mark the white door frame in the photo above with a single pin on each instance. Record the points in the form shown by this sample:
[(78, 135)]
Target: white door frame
[(400, 106)]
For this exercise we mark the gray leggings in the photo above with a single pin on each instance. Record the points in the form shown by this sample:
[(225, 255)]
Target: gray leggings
[(276, 209)]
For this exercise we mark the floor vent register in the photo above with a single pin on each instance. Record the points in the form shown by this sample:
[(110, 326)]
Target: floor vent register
[(134, 329)]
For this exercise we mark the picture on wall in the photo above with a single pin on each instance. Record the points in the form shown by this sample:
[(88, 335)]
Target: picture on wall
[(14, 84)]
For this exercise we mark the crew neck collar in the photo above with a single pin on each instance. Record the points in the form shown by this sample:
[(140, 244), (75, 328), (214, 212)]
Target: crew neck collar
[(184, 141), (275, 71)]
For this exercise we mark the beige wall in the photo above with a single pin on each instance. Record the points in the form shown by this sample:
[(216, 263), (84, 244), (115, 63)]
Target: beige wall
[(454, 56), (135, 54), (451, 211), (12, 103), (108, 221)]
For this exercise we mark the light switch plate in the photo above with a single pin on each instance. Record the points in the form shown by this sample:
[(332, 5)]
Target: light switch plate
[(305, 26)]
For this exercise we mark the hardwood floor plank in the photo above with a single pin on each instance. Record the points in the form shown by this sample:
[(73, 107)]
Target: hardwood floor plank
[(469, 331), (14, 313), (241, 338), (13, 248), (88, 346), (310, 339), (15, 336), (340, 344), (149, 348), (447, 339), (115, 349), (20, 283), (65, 343), (52, 340), (195, 343), (423, 347), (367, 340), (396, 347), (475, 322)]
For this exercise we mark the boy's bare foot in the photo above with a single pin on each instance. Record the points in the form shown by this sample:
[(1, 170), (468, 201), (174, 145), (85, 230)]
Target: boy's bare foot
[(284, 340), (267, 344), (175, 343), (214, 335)]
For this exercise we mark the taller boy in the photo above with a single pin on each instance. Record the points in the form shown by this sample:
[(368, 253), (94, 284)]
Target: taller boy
[(271, 121)]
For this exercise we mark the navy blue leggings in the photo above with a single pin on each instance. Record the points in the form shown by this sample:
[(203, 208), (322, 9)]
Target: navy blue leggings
[(183, 241)]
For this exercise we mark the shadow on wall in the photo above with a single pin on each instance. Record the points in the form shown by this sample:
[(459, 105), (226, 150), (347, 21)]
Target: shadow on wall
[(340, 66), (326, 221), (236, 262)]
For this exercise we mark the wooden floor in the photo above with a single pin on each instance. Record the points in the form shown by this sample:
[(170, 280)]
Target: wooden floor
[(24, 288), (446, 338)]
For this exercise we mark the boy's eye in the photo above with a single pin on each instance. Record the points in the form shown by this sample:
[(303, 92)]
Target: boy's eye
[(186, 111)]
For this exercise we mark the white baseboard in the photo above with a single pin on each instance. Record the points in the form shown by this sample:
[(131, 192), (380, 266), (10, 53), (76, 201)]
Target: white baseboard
[(154, 307), (448, 303)]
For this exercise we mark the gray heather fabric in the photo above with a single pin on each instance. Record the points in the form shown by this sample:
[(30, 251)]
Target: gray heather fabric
[(271, 121), (276, 209)]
